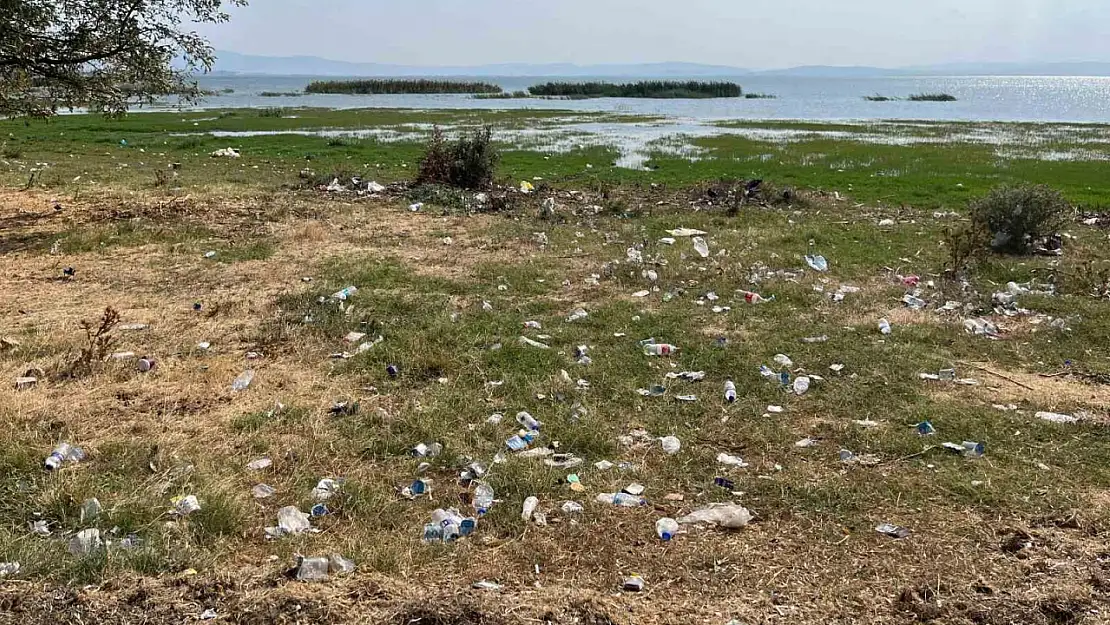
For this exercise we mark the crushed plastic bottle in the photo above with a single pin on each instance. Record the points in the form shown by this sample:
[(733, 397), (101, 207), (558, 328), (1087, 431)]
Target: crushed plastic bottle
[(530, 505), (312, 569), (62, 454), (884, 326), (730, 516), (801, 385), (730, 391), (243, 381), (577, 315), (623, 500), (85, 542), (914, 303), (671, 445), (666, 528), (701, 247), (818, 263)]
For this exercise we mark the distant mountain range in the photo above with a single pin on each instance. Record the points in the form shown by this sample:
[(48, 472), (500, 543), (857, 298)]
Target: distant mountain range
[(235, 63)]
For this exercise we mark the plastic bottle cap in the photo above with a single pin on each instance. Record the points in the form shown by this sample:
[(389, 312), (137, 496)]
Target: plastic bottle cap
[(666, 536)]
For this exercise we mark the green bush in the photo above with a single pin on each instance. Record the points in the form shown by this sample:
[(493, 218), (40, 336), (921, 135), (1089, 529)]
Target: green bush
[(1017, 216), (468, 163)]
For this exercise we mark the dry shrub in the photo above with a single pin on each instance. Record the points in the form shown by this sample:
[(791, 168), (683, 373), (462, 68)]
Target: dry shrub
[(1017, 216)]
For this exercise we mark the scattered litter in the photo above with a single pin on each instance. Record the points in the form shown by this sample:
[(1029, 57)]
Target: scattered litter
[(526, 187), (485, 585), (893, 531), (686, 232), (805, 443), (416, 206), (312, 569), (671, 445), (186, 505), (263, 491), (86, 542), (577, 315), (783, 360), (634, 489), (925, 428), (701, 247), (689, 376), (634, 583), (884, 327), (291, 521), (659, 349), (90, 510), (816, 339), (62, 454), (981, 327), (726, 515), (325, 489), (623, 500), (866, 460), (1057, 417), (530, 343), (24, 383), (641, 294), (732, 461), (603, 465), (775, 409), (8, 569), (260, 464), (244, 380), (40, 528), (666, 528), (818, 263), (967, 448), (572, 507), (730, 391), (226, 153), (801, 385)]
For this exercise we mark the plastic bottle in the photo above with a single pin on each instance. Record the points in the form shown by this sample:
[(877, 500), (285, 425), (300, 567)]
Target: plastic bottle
[(345, 293), (527, 421), (450, 524), (730, 391), (530, 505), (243, 381), (63, 453), (701, 247), (621, 499), (884, 326), (659, 349), (483, 497), (671, 444), (666, 528)]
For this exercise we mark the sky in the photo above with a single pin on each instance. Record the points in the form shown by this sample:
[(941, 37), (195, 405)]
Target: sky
[(756, 34)]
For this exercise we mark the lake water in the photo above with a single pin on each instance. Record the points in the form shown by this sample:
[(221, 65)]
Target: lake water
[(980, 98)]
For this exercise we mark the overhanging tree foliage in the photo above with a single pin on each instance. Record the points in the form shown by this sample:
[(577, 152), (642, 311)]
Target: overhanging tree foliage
[(101, 54)]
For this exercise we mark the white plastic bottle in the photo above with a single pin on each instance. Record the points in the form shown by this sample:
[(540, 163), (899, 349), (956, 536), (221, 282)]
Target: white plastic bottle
[(730, 391), (450, 524), (666, 528), (884, 326), (530, 505)]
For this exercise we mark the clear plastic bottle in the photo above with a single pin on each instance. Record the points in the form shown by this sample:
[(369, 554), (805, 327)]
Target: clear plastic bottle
[(730, 391), (243, 381), (659, 349), (884, 326), (701, 247), (666, 528), (483, 497), (345, 293), (527, 421), (62, 454)]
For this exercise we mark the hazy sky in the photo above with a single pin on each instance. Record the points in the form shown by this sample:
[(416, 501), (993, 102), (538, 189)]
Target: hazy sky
[(743, 33)]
